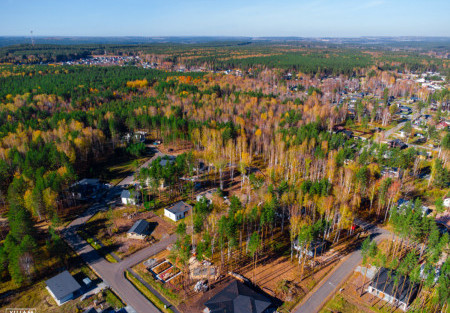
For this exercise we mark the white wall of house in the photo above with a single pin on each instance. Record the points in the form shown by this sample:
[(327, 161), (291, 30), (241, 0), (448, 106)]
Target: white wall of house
[(60, 301), (387, 298), (172, 216), (128, 201), (136, 236)]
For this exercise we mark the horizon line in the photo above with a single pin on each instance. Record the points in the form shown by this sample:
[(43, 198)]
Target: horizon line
[(225, 36)]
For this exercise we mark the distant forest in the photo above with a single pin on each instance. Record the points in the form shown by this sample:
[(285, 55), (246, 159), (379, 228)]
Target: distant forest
[(307, 57)]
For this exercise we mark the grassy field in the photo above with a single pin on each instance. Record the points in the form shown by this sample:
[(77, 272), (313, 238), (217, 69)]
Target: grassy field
[(150, 296)]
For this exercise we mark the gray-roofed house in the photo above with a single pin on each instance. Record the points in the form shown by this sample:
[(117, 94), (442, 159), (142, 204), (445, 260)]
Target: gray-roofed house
[(207, 195), (177, 211), (167, 159), (128, 197), (139, 230), (316, 247), (237, 298), (384, 288), (63, 287), (85, 188)]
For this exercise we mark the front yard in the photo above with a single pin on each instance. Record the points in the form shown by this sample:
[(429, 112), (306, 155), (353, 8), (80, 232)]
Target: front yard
[(110, 229)]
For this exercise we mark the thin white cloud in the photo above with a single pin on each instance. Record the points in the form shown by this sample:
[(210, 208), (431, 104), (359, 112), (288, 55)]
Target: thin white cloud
[(375, 3)]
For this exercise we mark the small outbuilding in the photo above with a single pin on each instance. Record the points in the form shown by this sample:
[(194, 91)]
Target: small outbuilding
[(63, 287), (139, 230), (177, 211)]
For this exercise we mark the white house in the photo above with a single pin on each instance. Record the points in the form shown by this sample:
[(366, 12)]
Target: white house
[(128, 197), (207, 195), (384, 287), (177, 211), (63, 287), (447, 202)]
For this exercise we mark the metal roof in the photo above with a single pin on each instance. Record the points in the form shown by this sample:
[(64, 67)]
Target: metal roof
[(384, 280), (63, 285), (129, 194), (238, 298), (140, 227), (179, 207), (125, 194)]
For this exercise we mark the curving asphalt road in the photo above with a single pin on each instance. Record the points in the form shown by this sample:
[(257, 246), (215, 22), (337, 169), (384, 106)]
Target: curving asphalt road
[(130, 179), (113, 274), (330, 284)]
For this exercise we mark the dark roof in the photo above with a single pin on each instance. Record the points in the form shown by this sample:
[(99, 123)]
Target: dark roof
[(140, 227), (385, 281), (63, 285), (166, 160), (179, 207), (127, 194), (238, 298)]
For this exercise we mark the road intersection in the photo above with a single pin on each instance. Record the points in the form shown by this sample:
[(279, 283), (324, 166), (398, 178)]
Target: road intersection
[(113, 274)]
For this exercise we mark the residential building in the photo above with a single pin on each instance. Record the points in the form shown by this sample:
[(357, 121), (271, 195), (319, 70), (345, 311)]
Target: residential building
[(139, 230), (207, 195), (447, 202), (403, 204), (85, 188), (316, 247), (237, 298), (129, 197), (442, 125), (397, 143), (400, 294), (177, 211), (63, 287)]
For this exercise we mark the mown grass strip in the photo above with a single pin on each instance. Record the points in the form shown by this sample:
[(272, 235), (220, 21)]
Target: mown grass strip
[(147, 293)]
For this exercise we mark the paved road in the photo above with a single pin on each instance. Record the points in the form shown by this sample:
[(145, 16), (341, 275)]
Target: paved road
[(400, 126), (113, 274), (393, 130), (130, 179), (316, 300)]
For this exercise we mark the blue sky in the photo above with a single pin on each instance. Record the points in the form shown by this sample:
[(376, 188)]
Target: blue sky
[(325, 18)]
